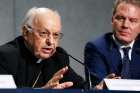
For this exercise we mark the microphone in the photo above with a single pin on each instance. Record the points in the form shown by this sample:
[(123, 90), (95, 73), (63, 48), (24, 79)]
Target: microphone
[(62, 51)]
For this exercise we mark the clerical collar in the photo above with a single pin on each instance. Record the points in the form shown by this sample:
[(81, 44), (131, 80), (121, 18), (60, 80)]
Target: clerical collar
[(39, 61)]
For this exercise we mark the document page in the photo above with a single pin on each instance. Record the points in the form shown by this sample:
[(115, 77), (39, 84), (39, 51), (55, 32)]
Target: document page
[(123, 84), (7, 81)]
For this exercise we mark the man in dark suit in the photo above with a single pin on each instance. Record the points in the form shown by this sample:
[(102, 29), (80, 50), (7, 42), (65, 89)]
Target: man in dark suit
[(33, 58), (106, 57)]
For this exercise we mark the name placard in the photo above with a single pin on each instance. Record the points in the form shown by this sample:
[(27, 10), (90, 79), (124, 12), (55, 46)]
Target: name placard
[(123, 84), (7, 81)]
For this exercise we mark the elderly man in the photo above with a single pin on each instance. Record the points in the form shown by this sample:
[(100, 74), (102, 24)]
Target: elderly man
[(117, 54), (32, 58)]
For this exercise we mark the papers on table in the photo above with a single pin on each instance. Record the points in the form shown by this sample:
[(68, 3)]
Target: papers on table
[(123, 84), (7, 81)]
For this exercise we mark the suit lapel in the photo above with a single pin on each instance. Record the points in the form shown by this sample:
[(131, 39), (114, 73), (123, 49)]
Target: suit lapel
[(115, 57), (135, 61), (115, 61)]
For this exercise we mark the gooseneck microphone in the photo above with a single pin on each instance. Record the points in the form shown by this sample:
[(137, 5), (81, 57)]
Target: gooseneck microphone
[(61, 51)]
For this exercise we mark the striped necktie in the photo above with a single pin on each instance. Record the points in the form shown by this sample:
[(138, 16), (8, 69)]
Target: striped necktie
[(125, 73)]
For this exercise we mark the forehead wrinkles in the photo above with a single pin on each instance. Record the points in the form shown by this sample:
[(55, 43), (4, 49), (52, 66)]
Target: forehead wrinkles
[(128, 10), (46, 18)]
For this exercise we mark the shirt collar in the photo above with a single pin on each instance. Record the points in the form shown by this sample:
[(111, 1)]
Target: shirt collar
[(121, 45)]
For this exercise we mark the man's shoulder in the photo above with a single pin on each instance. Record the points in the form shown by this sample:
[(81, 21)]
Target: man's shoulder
[(137, 43), (102, 40), (9, 56), (138, 39), (10, 47)]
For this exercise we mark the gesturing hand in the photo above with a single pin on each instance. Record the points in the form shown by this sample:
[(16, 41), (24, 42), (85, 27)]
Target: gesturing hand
[(54, 81)]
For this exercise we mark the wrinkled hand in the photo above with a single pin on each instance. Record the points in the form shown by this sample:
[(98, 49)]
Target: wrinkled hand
[(54, 81), (102, 85)]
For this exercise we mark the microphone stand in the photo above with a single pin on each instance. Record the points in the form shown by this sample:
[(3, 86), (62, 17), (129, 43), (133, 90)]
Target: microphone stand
[(61, 50), (89, 77)]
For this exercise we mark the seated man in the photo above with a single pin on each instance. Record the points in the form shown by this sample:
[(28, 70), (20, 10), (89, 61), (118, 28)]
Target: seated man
[(33, 59), (117, 54)]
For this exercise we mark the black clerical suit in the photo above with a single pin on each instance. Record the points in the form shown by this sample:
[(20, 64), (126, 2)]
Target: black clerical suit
[(17, 60)]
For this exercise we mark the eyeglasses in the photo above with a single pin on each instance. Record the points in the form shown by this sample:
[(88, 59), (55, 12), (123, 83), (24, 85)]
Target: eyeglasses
[(45, 33)]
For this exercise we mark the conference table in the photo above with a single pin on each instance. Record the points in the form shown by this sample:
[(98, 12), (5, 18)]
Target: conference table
[(30, 90)]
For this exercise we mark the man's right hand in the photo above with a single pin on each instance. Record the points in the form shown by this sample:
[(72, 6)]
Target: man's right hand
[(102, 85), (53, 83)]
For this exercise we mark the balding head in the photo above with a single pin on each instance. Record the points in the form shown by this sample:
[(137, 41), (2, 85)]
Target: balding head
[(36, 15)]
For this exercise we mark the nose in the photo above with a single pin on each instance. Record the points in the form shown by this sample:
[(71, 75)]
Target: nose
[(125, 24), (49, 40)]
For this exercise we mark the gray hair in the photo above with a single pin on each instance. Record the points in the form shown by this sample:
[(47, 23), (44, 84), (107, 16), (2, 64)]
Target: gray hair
[(35, 11)]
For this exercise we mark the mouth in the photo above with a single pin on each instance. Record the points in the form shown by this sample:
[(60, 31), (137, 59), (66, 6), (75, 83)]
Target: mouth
[(123, 33), (47, 50)]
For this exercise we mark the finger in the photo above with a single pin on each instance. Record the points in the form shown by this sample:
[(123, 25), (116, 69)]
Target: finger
[(62, 71), (54, 81), (56, 78), (112, 75), (99, 87), (50, 85), (117, 78), (59, 74), (64, 85)]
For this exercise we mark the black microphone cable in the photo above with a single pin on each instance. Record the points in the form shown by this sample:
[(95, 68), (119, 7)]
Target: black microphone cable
[(61, 50)]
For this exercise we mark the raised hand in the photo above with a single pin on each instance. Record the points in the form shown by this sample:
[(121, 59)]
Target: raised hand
[(54, 81)]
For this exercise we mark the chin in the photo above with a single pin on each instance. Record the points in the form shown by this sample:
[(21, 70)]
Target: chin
[(125, 41), (45, 56)]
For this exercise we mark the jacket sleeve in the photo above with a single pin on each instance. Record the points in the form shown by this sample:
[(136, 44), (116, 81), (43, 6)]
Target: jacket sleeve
[(95, 63)]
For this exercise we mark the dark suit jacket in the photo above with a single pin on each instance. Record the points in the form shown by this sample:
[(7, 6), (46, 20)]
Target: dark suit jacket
[(103, 57), (17, 60)]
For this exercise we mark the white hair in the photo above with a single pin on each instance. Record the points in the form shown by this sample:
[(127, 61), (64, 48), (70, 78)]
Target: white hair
[(30, 15)]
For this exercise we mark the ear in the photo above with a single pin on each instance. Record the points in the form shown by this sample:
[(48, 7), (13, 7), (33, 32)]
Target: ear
[(25, 32), (112, 20)]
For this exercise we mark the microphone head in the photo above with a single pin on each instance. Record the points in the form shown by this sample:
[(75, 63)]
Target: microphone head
[(61, 50)]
